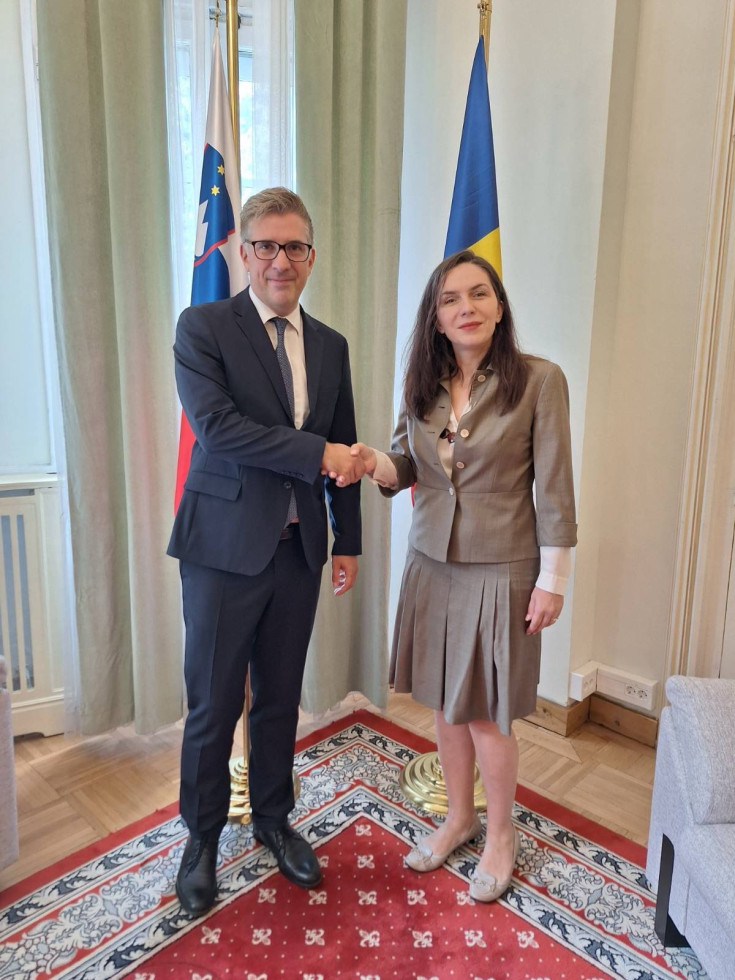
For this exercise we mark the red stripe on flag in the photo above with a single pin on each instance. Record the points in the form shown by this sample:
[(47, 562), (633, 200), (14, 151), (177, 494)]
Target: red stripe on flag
[(211, 248), (186, 442)]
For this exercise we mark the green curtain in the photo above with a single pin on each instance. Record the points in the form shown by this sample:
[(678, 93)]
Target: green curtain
[(349, 66), (101, 76)]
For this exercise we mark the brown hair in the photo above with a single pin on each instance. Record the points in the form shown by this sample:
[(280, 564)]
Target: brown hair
[(273, 200), (430, 356)]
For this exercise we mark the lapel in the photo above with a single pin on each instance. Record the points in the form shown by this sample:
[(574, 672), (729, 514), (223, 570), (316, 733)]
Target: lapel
[(438, 418), (313, 355), (484, 392), (248, 320)]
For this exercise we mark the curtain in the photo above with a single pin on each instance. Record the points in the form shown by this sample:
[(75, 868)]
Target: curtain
[(349, 81), (102, 91), (272, 93)]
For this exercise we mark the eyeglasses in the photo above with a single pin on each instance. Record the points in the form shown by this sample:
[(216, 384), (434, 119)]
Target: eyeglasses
[(295, 251)]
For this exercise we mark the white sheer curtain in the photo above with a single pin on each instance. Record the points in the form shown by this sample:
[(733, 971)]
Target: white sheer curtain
[(266, 109), (67, 639), (273, 103), (188, 43)]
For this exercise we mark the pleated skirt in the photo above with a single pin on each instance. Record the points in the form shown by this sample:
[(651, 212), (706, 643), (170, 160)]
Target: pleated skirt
[(460, 642)]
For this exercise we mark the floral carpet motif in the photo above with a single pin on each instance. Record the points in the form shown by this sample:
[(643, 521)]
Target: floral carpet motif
[(579, 907)]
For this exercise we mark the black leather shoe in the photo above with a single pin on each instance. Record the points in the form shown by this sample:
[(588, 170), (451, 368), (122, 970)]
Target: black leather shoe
[(296, 860), (196, 882)]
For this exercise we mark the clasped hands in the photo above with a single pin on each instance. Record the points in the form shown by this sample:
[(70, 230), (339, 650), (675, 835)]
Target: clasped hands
[(347, 464)]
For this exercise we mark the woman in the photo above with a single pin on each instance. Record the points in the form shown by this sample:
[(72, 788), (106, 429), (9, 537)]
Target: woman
[(480, 425)]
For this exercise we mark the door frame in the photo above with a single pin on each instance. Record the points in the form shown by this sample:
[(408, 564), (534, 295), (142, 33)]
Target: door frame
[(707, 509)]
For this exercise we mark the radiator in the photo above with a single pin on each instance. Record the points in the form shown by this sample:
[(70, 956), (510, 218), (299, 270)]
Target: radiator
[(31, 588)]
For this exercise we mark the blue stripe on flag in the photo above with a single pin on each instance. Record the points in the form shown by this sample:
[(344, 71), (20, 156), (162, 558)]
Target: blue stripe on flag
[(474, 211), (211, 278)]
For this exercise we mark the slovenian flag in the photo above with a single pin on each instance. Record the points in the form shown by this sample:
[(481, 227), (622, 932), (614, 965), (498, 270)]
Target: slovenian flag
[(473, 219), (218, 268)]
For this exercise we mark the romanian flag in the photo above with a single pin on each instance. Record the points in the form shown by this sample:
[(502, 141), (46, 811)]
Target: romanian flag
[(473, 219), (218, 268)]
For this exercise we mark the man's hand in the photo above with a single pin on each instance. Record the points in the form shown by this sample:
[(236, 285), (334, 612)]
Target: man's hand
[(338, 464), (344, 573), (543, 610), (366, 455)]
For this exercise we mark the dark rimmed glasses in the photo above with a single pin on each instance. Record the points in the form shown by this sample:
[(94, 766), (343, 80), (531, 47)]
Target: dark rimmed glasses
[(268, 251)]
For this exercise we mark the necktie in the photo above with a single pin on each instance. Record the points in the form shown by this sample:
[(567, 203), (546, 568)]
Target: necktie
[(285, 366), (283, 361)]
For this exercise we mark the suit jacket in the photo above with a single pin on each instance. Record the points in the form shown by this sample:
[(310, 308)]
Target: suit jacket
[(248, 455), (486, 513)]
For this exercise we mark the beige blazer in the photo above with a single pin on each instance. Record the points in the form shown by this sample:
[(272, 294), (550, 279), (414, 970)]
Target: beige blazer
[(486, 512)]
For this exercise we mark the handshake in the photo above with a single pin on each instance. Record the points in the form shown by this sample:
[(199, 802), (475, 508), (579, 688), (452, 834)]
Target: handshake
[(347, 464)]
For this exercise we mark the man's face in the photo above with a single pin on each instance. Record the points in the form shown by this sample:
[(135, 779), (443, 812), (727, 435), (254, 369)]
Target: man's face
[(277, 282)]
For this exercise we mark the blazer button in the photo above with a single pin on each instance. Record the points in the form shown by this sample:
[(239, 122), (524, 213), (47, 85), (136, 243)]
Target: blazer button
[(451, 491), (464, 433), (460, 465), (287, 485)]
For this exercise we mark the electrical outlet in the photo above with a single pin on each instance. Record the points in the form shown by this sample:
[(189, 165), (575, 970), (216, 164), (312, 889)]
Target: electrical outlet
[(640, 692), (583, 681)]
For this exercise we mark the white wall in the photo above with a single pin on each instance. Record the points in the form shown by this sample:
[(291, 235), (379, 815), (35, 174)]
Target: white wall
[(603, 117), (549, 82), (25, 437), (644, 340)]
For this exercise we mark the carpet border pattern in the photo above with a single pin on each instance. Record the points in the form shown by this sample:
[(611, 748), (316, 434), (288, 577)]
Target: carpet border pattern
[(108, 912)]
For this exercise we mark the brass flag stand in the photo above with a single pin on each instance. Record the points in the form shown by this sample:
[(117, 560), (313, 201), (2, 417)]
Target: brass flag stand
[(240, 810), (422, 780)]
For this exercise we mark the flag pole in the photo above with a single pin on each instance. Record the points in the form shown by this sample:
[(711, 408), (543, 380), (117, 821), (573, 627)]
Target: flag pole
[(486, 12), (233, 72), (240, 810), (422, 779)]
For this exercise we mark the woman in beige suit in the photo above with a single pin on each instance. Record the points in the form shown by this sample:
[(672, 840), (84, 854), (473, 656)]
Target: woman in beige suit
[(481, 425)]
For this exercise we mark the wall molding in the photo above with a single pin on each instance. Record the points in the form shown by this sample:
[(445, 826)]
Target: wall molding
[(707, 504), (562, 719)]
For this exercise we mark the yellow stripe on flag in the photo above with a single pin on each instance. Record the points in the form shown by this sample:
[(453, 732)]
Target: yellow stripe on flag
[(489, 248)]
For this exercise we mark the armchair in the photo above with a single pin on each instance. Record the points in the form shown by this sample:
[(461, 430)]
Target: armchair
[(691, 844)]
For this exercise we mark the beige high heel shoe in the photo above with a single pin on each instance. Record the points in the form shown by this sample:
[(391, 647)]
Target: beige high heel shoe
[(422, 858), (486, 887)]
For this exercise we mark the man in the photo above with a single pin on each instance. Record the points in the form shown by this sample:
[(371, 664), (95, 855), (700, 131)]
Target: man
[(267, 392)]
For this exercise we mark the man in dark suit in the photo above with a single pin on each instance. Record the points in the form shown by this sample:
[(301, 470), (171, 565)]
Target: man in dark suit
[(267, 392)]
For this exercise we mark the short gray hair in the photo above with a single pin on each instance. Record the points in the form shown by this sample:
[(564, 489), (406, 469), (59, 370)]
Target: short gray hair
[(273, 200)]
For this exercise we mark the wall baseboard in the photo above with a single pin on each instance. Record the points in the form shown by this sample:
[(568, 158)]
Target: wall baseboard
[(564, 720), (626, 721)]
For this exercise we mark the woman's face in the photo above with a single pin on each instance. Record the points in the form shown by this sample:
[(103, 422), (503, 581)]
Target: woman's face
[(468, 310)]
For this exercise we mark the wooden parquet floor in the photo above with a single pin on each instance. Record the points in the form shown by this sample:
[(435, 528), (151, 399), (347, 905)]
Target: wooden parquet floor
[(74, 790)]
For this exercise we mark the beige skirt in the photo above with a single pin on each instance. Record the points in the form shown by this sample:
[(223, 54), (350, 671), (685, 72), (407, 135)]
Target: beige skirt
[(460, 642)]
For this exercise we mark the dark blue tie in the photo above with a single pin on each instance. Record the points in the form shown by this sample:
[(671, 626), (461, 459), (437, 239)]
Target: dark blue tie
[(283, 361), (285, 366)]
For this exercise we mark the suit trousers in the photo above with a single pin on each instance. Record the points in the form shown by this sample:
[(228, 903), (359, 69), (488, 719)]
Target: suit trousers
[(233, 621)]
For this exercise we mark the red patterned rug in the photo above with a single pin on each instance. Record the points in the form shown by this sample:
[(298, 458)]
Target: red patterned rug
[(579, 907)]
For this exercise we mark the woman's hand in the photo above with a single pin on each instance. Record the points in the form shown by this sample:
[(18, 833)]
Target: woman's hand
[(366, 455), (543, 610)]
